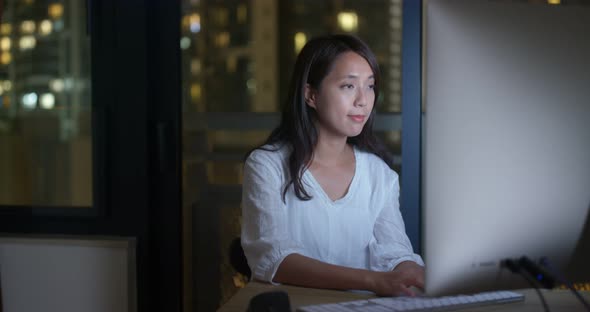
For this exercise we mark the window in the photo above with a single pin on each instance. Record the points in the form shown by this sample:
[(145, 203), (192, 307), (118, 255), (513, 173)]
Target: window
[(45, 112), (126, 168)]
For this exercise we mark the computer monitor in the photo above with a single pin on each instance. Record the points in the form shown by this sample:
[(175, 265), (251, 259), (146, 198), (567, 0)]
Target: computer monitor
[(506, 140)]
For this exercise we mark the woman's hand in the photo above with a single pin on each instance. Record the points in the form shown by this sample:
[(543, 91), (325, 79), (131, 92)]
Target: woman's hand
[(399, 281)]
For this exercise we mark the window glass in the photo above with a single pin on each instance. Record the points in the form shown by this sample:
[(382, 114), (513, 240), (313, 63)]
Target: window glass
[(45, 118), (237, 58)]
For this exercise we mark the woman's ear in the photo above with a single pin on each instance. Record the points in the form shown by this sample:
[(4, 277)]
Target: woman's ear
[(310, 96)]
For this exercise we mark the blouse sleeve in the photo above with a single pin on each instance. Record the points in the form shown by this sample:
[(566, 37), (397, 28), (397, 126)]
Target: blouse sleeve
[(390, 245), (265, 237)]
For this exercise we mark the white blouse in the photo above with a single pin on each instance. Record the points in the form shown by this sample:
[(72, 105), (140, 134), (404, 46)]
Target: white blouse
[(364, 229)]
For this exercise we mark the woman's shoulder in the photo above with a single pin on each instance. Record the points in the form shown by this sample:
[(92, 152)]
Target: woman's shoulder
[(269, 154), (375, 165)]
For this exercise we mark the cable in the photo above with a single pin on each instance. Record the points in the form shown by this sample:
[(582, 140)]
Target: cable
[(532, 282), (539, 273), (514, 267), (545, 262)]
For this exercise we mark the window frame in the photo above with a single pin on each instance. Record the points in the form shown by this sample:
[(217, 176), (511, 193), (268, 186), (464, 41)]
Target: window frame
[(410, 204), (136, 102)]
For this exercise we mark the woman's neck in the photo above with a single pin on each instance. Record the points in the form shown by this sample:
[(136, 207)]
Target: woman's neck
[(331, 152)]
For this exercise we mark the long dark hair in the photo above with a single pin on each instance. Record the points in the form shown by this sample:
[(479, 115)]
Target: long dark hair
[(297, 127)]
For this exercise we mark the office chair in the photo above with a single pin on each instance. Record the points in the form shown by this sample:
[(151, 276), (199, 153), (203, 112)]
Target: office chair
[(237, 258)]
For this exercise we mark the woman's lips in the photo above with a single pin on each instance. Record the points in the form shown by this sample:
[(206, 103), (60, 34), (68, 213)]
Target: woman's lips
[(357, 118)]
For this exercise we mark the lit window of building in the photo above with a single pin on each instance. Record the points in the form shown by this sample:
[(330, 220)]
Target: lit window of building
[(185, 43), (5, 44), (47, 100), (27, 43), (185, 22), (29, 100), (55, 10), (222, 39), (57, 85), (196, 91), (195, 23), (191, 22), (5, 58), (45, 27), (27, 27), (58, 25), (68, 84), (251, 85), (348, 21), (299, 39)]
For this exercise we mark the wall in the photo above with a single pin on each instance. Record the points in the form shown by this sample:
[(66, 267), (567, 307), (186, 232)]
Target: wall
[(67, 274)]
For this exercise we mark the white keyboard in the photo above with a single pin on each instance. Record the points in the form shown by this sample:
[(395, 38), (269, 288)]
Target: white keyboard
[(387, 304)]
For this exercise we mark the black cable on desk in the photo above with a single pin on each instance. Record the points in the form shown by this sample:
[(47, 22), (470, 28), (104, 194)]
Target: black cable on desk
[(556, 274), (514, 267), (532, 282)]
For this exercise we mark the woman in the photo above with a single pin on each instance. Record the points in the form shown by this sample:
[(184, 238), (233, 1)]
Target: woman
[(320, 197)]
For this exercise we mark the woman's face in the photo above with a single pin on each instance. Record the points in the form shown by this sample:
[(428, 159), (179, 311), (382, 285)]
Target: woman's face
[(345, 97)]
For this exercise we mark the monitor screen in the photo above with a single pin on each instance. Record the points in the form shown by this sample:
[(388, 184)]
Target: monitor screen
[(506, 141)]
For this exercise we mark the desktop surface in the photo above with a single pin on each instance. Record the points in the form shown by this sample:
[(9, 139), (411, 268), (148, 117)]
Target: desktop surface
[(557, 300)]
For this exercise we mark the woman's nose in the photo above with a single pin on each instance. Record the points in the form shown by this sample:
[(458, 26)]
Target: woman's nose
[(361, 98)]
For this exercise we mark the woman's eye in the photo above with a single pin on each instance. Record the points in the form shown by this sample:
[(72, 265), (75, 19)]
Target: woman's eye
[(347, 86), (372, 87)]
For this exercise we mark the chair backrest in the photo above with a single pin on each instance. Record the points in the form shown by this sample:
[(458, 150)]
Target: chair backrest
[(272, 301), (237, 258)]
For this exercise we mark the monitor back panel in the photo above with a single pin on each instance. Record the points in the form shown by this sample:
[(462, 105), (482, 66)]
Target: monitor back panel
[(506, 146)]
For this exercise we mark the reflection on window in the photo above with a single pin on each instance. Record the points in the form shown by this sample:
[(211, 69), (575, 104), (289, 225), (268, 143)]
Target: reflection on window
[(45, 136)]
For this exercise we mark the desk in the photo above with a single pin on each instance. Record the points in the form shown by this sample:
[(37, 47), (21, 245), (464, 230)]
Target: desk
[(557, 300)]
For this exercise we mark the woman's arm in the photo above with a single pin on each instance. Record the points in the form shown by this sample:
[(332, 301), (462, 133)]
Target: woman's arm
[(265, 236), (391, 245), (299, 270)]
